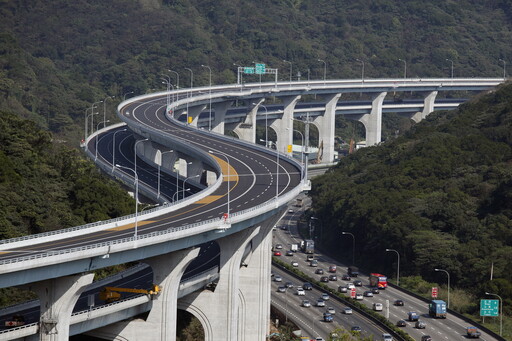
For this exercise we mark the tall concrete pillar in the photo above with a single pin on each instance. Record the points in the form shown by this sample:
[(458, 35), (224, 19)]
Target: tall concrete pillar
[(194, 113), (284, 125), (255, 285), (160, 324), (219, 311), (372, 121), (220, 114), (326, 127), (428, 107), (58, 297), (246, 129)]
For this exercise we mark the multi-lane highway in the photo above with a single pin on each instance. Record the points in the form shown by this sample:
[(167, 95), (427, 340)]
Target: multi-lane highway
[(451, 328)]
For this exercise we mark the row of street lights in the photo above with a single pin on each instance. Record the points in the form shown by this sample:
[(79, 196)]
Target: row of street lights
[(436, 269)]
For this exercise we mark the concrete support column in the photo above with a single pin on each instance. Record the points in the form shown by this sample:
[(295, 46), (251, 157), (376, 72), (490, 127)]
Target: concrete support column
[(325, 125), (220, 114), (255, 283), (160, 324), (428, 107), (58, 297), (284, 125), (373, 121), (194, 113), (219, 311), (246, 130)]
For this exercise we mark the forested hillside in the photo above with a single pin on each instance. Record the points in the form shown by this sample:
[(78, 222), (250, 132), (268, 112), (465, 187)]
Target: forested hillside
[(441, 195), (46, 186), (58, 57)]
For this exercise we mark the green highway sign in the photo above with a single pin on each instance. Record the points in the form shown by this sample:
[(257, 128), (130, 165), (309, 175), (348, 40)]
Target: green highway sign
[(260, 69), (248, 70), (489, 307)]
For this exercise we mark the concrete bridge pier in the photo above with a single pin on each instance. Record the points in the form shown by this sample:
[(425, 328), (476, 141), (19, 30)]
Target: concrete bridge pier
[(246, 129), (220, 110), (220, 311), (193, 113), (428, 107), (284, 126), (372, 121), (160, 324), (58, 297), (326, 126)]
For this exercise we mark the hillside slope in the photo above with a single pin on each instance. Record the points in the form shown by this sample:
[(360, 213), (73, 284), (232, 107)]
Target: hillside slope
[(441, 195)]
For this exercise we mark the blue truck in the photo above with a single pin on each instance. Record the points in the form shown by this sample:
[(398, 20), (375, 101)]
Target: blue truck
[(437, 309)]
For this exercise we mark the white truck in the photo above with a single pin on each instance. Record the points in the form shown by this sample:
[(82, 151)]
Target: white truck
[(294, 247)]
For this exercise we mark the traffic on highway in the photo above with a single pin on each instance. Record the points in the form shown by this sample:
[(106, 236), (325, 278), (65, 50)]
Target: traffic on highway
[(406, 312)]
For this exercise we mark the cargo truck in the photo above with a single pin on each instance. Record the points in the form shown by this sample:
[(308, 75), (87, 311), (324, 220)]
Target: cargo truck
[(472, 332), (308, 246), (378, 281), (353, 271), (437, 309), (294, 247)]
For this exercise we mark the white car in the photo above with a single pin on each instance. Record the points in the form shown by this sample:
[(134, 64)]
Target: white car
[(278, 278), (377, 306), (347, 310), (350, 286), (331, 310), (295, 263), (320, 303), (306, 304), (386, 337), (301, 291), (359, 297), (325, 296)]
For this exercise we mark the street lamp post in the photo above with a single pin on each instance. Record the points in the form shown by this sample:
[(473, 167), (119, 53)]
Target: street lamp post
[(397, 266), (451, 61), (105, 108), (504, 68), (362, 71), (286, 61), (135, 152), (501, 311), (325, 68), (210, 121), (177, 194), (177, 78), (96, 148), (86, 124), (353, 246), (447, 274), (229, 175), (405, 68), (92, 118), (184, 181), (159, 165), (136, 201), (86, 118), (124, 96), (191, 77), (114, 149), (167, 80)]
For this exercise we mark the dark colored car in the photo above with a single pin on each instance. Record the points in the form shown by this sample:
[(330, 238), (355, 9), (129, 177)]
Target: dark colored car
[(401, 323), (324, 279), (333, 278), (328, 317), (289, 253), (319, 271), (307, 286), (358, 283), (375, 291), (426, 338), (346, 277), (399, 303), (356, 329), (288, 284)]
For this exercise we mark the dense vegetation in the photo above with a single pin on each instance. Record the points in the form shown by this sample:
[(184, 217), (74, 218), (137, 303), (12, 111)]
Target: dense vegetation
[(441, 195), (59, 57), (45, 185)]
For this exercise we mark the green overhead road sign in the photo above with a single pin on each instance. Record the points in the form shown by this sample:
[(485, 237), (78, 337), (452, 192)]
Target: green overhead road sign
[(260, 69), (489, 307), (248, 70)]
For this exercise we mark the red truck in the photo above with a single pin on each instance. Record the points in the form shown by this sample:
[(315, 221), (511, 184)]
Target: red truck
[(378, 280)]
